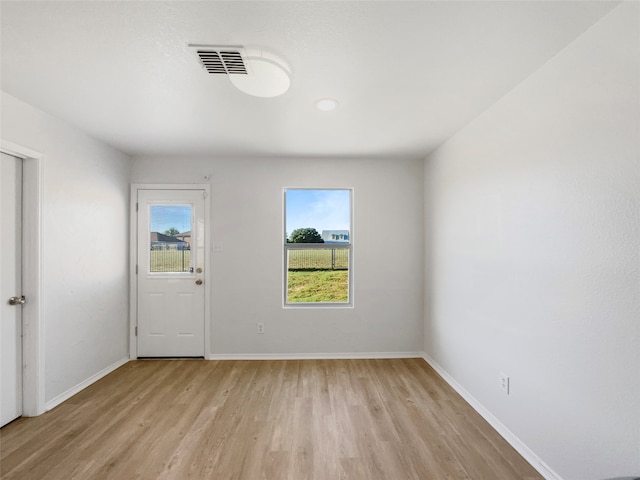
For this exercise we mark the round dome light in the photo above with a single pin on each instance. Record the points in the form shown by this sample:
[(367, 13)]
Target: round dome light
[(266, 78)]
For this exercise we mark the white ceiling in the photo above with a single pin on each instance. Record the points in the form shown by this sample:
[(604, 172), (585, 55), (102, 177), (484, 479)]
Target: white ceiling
[(406, 74)]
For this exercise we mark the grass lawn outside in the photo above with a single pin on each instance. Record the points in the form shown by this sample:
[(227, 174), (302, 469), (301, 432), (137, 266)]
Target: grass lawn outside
[(319, 286)]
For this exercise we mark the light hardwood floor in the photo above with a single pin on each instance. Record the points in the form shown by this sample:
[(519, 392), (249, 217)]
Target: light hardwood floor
[(253, 420)]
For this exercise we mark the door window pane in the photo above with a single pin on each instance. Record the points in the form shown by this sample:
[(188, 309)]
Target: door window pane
[(170, 239)]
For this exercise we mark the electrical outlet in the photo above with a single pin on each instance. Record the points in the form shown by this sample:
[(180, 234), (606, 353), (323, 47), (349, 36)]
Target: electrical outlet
[(504, 382), (260, 327)]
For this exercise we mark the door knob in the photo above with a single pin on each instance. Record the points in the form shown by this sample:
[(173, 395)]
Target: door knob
[(17, 300), (198, 282)]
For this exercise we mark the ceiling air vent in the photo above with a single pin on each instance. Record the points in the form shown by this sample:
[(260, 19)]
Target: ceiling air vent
[(226, 62), (252, 71)]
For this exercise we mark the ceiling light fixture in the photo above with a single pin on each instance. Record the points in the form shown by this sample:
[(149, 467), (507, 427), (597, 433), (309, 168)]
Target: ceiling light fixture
[(266, 78), (326, 104)]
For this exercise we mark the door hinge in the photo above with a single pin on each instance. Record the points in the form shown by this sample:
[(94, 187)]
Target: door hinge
[(136, 269), (136, 206), (136, 330), (204, 194)]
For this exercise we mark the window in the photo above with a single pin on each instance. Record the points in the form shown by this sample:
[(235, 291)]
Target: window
[(318, 253), (170, 250)]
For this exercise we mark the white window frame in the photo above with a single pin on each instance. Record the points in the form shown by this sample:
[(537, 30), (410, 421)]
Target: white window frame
[(316, 246)]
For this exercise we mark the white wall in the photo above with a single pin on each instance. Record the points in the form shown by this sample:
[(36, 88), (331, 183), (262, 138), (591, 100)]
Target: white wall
[(247, 276), (533, 216), (85, 219)]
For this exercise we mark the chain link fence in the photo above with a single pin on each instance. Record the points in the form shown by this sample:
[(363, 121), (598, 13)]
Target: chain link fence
[(320, 259), (170, 261)]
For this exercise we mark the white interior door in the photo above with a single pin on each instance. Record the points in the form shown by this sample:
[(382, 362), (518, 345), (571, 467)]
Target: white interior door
[(171, 290), (11, 288)]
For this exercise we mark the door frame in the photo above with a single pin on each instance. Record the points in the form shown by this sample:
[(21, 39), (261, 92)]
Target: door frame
[(133, 260), (33, 354)]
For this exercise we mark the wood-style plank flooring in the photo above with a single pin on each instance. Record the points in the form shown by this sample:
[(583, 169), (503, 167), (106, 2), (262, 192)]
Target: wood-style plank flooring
[(253, 420)]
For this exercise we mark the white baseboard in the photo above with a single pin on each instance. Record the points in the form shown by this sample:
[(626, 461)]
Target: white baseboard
[(535, 461), (313, 356), (82, 385)]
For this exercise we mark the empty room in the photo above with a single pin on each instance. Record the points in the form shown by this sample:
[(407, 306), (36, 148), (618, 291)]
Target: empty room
[(360, 240)]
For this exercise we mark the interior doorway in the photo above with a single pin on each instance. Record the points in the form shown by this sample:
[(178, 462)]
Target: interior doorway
[(29, 354), (11, 296)]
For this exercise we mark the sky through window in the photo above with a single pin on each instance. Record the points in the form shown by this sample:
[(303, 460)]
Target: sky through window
[(319, 209), (164, 217)]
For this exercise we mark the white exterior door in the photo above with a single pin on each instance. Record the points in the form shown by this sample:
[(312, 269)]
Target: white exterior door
[(170, 279), (11, 288)]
